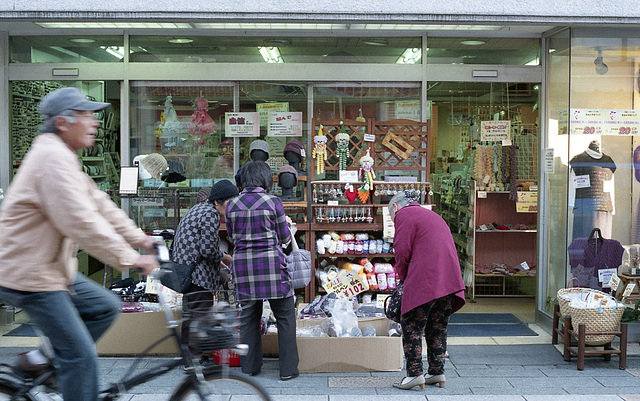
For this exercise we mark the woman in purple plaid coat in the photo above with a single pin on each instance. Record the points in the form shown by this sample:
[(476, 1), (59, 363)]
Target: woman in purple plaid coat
[(258, 228)]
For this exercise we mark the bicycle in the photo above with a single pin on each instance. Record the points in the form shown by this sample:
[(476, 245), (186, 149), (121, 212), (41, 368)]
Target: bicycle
[(215, 331)]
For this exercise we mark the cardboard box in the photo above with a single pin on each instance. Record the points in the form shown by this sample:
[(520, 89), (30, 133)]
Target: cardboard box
[(132, 333), (344, 354)]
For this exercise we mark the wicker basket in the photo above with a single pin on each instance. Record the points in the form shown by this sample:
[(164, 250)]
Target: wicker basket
[(597, 319), (564, 300)]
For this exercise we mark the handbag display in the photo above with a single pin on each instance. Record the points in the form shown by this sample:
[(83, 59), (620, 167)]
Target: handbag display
[(393, 304), (299, 264)]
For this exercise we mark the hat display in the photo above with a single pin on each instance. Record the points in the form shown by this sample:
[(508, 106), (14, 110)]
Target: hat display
[(222, 189), (259, 144), (174, 173), (155, 164), (63, 99), (288, 169), (294, 146)]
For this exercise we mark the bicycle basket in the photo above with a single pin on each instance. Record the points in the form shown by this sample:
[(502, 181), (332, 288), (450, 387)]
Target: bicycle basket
[(213, 325)]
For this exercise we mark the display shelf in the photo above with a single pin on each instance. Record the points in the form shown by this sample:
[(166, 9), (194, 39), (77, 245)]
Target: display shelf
[(354, 255), (346, 227), (506, 231)]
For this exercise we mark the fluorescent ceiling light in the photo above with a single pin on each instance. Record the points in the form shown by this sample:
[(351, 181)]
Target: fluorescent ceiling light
[(410, 56), (410, 27), (533, 62), (65, 51), (148, 25), (271, 54), (180, 40), (82, 40), (115, 51), (472, 42)]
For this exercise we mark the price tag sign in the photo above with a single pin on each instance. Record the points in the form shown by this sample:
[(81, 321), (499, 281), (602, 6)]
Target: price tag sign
[(153, 286), (332, 203), (604, 276), (614, 282), (525, 265), (369, 138), (346, 286), (380, 298), (629, 290), (482, 194)]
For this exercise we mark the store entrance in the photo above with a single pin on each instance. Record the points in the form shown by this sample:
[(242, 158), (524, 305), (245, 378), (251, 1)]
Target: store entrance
[(484, 169)]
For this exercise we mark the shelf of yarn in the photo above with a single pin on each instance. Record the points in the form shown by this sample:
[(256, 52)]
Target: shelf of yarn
[(354, 255)]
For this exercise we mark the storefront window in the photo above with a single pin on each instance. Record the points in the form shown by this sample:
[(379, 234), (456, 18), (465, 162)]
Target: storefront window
[(603, 155), (473, 50), (207, 49), (66, 49)]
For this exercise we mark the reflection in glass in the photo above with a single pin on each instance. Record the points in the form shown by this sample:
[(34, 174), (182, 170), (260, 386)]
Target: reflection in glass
[(66, 49)]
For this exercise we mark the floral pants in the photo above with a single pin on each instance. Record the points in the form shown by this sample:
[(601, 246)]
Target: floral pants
[(431, 319)]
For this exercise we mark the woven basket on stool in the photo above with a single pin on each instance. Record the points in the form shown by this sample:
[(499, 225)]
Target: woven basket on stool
[(564, 300), (597, 319)]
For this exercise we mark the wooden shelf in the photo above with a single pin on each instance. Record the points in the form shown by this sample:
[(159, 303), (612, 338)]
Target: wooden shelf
[(346, 226), (354, 255), (506, 231)]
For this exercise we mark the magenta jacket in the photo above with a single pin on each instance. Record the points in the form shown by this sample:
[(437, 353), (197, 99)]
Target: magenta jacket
[(426, 258)]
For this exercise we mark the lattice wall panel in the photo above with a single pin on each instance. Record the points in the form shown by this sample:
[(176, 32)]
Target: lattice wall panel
[(406, 133)]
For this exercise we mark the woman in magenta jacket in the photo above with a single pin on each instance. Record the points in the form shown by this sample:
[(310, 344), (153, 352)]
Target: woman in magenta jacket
[(427, 262)]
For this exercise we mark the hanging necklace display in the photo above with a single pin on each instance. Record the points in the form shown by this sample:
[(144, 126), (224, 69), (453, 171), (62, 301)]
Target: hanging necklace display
[(342, 148), (350, 215), (319, 150), (369, 217)]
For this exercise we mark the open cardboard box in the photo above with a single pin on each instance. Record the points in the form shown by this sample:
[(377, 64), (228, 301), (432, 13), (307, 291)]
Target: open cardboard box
[(132, 333), (344, 354)]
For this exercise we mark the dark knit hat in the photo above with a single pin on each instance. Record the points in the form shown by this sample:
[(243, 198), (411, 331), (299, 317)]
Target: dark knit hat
[(222, 189), (288, 169), (294, 146), (259, 144)]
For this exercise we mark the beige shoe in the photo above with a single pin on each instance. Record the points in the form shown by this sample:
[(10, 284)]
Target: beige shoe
[(416, 381), (434, 379)]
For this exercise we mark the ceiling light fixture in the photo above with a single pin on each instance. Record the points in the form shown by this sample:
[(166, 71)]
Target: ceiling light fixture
[(601, 67), (82, 40), (271, 54), (115, 51), (375, 42), (180, 40), (410, 56), (472, 42)]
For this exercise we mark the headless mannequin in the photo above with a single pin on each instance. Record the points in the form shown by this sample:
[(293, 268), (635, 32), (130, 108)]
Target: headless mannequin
[(258, 155), (287, 181), (294, 159)]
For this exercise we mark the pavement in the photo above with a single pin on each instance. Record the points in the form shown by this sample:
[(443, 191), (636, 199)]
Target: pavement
[(531, 372)]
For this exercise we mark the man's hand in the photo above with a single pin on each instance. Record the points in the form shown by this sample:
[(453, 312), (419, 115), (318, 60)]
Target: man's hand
[(147, 263), (226, 259), (148, 244)]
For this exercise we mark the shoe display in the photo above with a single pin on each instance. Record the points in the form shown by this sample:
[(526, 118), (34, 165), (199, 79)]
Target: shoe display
[(293, 376), (408, 385), (434, 379)]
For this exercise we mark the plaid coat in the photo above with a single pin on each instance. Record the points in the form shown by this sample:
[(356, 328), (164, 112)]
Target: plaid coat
[(257, 227), (197, 236)]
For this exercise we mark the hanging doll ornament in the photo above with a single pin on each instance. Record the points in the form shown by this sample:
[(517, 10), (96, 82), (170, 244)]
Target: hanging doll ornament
[(169, 118), (202, 124), (342, 147), (319, 150), (367, 175)]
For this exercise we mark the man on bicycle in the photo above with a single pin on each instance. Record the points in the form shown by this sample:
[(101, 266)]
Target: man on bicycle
[(51, 208)]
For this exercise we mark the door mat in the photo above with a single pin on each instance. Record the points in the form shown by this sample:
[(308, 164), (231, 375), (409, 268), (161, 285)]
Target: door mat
[(487, 325), (24, 330)]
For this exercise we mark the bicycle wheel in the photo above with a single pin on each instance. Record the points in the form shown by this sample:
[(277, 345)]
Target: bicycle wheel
[(7, 391), (222, 386)]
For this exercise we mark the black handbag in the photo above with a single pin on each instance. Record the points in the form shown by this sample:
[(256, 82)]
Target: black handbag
[(299, 264), (393, 304), (179, 278)]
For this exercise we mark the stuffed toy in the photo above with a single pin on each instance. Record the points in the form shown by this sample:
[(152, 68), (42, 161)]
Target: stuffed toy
[(367, 175), (342, 147), (319, 150), (201, 122)]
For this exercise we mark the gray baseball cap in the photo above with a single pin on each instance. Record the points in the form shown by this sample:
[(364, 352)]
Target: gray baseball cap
[(63, 99)]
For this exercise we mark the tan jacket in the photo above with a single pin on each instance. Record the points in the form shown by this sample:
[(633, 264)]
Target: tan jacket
[(51, 208)]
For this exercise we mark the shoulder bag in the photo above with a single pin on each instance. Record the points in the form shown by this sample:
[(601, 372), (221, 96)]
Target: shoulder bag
[(299, 264), (393, 304), (179, 278)]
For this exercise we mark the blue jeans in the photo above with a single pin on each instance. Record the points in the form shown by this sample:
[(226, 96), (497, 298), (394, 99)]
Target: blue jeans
[(72, 321)]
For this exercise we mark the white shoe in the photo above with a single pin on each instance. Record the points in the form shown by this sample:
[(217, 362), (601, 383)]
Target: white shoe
[(408, 383), (434, 379)]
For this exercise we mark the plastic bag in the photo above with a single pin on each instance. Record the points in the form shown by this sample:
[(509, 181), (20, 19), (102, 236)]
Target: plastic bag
[(343, 319)]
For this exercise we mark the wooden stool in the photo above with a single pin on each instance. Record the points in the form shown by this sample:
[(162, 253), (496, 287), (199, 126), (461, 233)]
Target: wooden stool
[(579, 348), (624, 281)]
